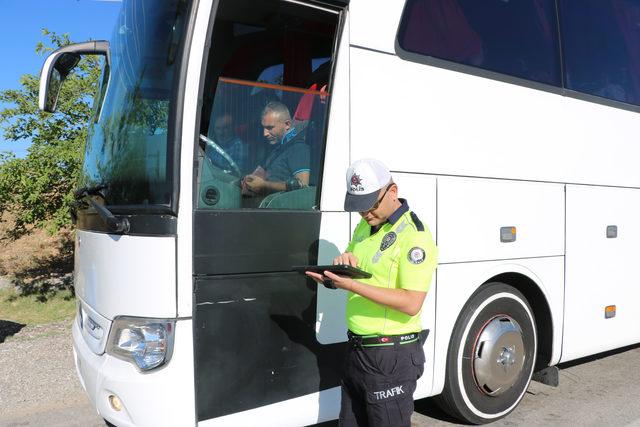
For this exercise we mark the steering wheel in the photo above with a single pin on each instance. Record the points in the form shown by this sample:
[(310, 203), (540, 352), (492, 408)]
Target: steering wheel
[(219, 150)]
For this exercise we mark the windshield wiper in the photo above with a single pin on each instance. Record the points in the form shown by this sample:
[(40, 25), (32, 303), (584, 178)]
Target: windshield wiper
[(117, 225), (91, 190)]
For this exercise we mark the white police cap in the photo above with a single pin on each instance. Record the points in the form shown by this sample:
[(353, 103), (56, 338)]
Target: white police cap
[(365, 178)]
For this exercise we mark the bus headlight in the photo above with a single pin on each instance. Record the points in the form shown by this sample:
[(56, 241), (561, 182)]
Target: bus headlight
[(148, 343)]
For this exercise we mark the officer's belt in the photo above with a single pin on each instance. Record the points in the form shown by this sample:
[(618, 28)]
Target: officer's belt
[(387, 340)]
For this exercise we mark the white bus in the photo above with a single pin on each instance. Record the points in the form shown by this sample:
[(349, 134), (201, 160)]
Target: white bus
[(510, 126)]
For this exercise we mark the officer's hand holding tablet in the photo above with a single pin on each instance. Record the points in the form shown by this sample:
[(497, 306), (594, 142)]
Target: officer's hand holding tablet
[(339, 275)]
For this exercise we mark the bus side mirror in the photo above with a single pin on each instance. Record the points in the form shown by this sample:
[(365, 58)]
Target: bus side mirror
[(59, 64)]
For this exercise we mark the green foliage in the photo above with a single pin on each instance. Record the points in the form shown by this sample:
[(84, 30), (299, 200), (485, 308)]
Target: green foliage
[(38, 189)]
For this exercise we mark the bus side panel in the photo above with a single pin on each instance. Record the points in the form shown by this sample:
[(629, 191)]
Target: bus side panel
[(374, 23), (336, 156), (331, 325), (457, 282), (432, 120), (601, 270), (420, 192), (473, 214)]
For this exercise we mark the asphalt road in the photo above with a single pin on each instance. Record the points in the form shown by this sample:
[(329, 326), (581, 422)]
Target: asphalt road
[(598, 391), (38, 387)]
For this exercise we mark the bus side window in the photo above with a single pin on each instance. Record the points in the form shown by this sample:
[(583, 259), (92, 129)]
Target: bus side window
[(600, 41), (516, 38)]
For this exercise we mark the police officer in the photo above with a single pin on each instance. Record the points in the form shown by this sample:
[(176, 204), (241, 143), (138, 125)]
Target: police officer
[(385, 356)]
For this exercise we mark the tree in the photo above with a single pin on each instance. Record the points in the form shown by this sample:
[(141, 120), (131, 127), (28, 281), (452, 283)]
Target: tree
[(38, 189)]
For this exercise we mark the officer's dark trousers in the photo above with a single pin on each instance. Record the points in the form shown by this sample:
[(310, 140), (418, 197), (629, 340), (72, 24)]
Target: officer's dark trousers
[(378, 384)]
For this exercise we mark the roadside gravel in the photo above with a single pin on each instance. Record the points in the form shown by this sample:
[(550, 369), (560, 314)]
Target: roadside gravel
[(38, 384)]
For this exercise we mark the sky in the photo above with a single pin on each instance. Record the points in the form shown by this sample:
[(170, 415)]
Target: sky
[(22, 22)]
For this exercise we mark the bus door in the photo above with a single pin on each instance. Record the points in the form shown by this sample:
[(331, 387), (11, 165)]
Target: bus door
[(265, 108)]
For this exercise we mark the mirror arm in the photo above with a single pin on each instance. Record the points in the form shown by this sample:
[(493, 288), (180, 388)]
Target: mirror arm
[(95, 47)]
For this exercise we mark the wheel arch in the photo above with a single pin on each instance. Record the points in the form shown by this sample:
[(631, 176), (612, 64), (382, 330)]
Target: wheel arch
[(537, 300), (536, 281)]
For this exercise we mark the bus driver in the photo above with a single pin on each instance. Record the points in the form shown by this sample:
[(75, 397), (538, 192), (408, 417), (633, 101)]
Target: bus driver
[(287, 165), (385, 357)]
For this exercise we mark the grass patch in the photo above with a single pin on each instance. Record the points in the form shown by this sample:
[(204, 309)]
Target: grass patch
[(32, 310), (36, 279)]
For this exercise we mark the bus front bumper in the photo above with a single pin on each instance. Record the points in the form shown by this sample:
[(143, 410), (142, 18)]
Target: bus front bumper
[(162, 397)]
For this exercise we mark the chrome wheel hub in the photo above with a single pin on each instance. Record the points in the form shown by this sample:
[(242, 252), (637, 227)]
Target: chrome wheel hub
[(498, 355)]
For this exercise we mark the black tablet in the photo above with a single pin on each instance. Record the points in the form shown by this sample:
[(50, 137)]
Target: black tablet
[(342, 270)]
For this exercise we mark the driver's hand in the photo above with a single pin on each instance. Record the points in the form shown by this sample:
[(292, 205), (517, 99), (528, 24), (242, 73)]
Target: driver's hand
[(346, 258), (255, 183)]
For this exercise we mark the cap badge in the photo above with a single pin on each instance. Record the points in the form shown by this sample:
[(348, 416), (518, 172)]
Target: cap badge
[(356, 183), (388, 240), (416, 255)]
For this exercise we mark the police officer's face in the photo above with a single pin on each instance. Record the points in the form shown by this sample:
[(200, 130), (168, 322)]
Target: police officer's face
[(386, 206), (274, 128)]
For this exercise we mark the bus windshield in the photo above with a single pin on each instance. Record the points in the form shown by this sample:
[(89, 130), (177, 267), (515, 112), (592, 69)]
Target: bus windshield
[(129, 149)]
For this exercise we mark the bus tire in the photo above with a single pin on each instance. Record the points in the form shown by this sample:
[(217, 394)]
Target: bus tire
[(491, 355)]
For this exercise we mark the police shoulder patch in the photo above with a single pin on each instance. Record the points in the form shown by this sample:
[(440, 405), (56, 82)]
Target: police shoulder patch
[(388, 240), (416, 255)]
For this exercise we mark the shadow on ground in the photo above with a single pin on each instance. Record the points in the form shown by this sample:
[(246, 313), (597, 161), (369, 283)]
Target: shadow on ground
[(426, 407), (429, 408), (8, 328), (52, 274)]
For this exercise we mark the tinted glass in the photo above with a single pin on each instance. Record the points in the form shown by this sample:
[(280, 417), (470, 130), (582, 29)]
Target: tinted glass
[(235, 164), (601, 47), (266, 103), (128, 149), (517, 37)]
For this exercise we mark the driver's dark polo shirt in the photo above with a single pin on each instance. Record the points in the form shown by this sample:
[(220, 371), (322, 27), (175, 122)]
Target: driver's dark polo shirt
[(288, 159)]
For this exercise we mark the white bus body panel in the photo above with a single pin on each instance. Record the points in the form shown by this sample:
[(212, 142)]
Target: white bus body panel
[(601, 271), (429, 119), (420, 192), (337, 148), (187, 149), (126, 275), (457, 282), (169, 389), (331, 324), (472, 211), (375, 23)]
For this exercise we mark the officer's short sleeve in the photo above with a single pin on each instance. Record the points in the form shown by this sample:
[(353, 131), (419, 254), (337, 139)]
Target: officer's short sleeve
[(417, 261), (356, 236)]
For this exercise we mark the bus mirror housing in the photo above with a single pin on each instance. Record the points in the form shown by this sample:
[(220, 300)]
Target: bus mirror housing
[(59, 64)]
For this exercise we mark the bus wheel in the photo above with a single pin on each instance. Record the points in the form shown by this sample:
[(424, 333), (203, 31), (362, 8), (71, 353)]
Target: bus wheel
[(491, 355)]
